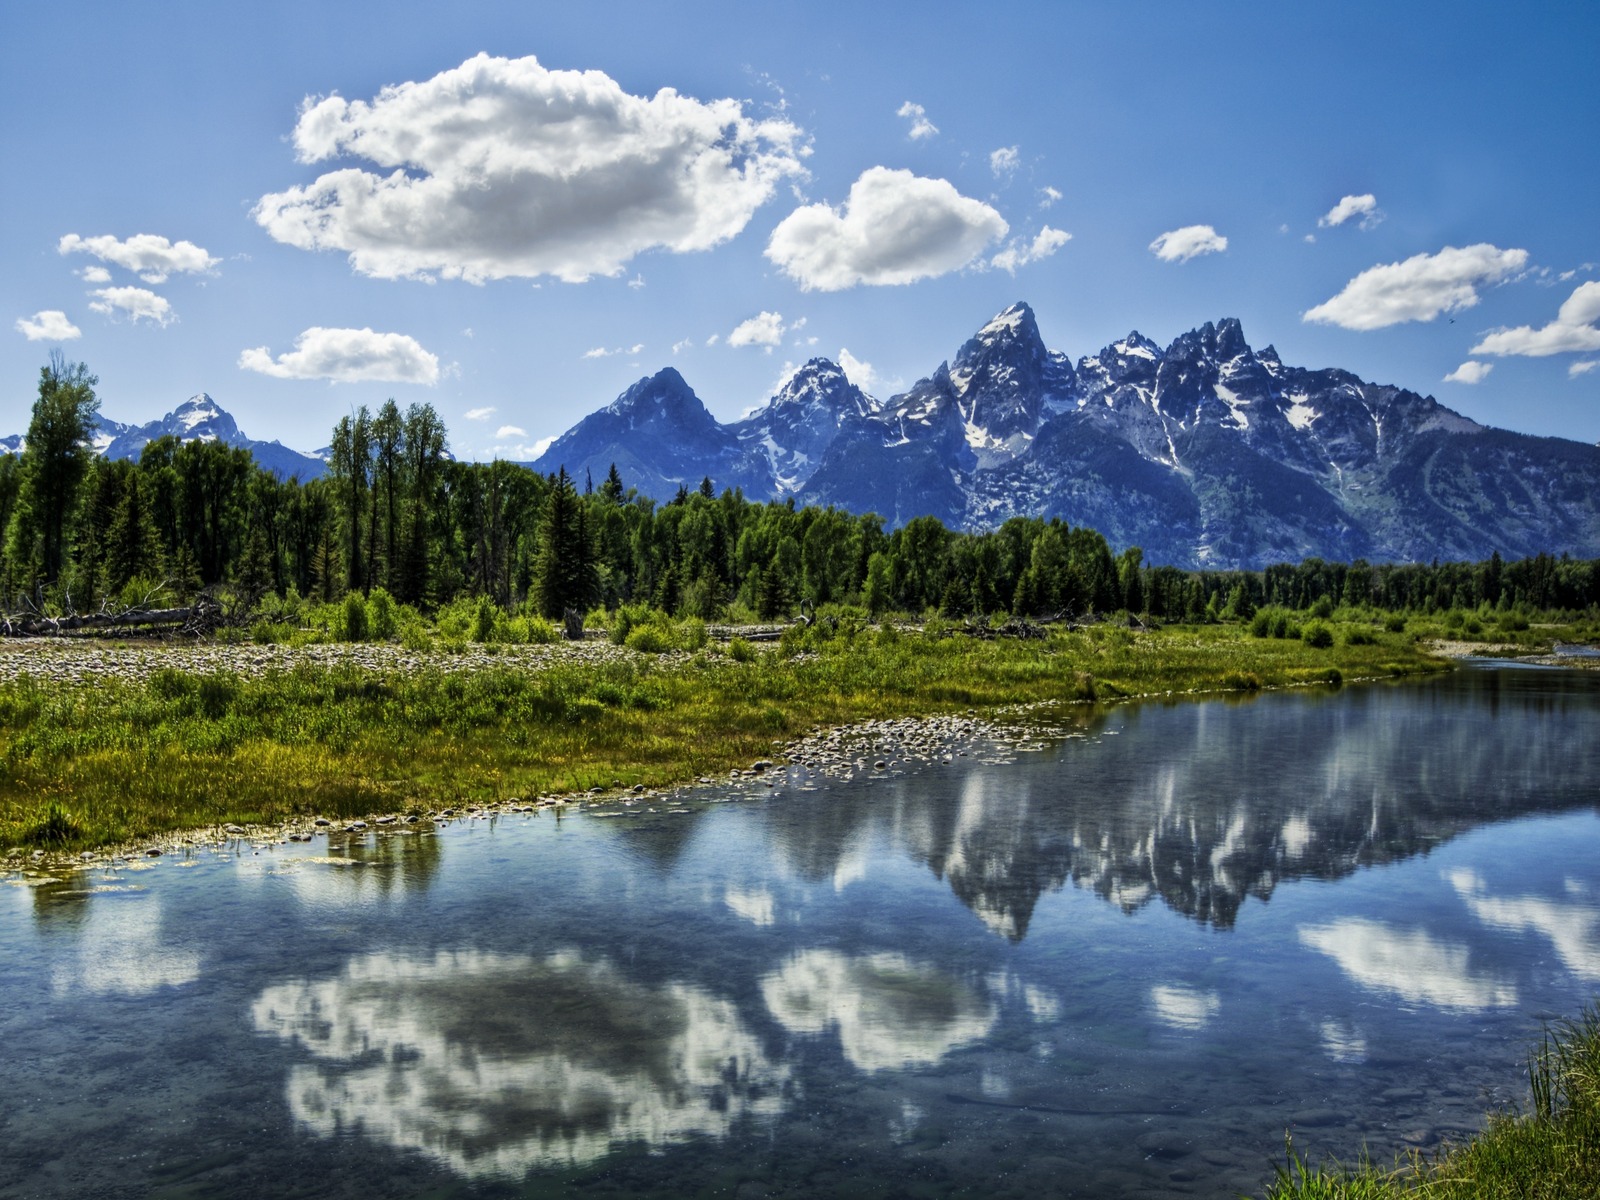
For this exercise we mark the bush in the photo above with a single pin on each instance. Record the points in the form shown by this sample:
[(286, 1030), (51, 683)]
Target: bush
[(648, 639), (382, 615), (414, 636), (691, 634), (741, 651), (1395, 624), (353, 619), (1323, 608), (1317, 635), (1357, 635), (483, 620)]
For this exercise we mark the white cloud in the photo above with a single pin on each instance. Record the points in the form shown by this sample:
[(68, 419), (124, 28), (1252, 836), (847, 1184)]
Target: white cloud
[(1180, 245), (763, 329), (685, 344), (891, 1013), (1408, 963), (1048, 196), (1573, 331), (636, 282), (541, 446), (712, 339), (348, 356), (1418, 289), (602, 352), (500, 168), (1470, 372), (94, 275), (509, 431), (480, 414), (895, 228), (153, 258), (921, 127), (1582, 368), (1045, 243), (1004, 161), (860, 373), (1365, 207), (51, 325), (140, 304)]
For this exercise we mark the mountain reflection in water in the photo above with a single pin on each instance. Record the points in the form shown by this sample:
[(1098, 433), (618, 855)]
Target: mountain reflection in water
[(1201, 806), (494, 1064)]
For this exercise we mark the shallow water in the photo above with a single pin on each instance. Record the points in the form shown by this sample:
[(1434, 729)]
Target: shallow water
[(1118, 963)]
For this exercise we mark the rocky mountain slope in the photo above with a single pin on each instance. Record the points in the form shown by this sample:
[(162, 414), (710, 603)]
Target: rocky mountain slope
[(1205, 453)]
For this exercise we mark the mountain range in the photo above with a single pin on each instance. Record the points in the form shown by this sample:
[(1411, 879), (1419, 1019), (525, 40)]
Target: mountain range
[(199, 418), (1207, 453)]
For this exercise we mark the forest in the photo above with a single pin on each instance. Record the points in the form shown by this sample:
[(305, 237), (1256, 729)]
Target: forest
[(396, 513)]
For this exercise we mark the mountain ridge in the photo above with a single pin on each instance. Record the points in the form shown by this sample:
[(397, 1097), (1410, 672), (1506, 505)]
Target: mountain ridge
[(1207, 453)]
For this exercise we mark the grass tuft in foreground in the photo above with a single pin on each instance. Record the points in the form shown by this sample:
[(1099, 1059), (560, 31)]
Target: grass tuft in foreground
[(1551, 1152)]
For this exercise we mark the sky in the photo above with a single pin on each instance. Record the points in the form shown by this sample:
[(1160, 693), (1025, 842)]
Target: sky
[(513, 211)]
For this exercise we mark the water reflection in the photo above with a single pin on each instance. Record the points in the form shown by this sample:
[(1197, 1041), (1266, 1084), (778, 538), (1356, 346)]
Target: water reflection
[(121, 950), (1183, 1007), (1573, 926), (1410, 964), (1204, 805), (890, 1012), (494, 1064)]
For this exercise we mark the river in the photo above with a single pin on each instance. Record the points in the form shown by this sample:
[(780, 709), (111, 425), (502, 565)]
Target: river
[(1120, 960)]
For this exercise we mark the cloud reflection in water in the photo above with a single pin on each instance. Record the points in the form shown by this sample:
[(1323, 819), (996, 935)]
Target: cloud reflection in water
[(494, 1064), (1409, 964), (891, 1013)]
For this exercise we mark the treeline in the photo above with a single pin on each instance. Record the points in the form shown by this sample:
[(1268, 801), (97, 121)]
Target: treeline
[(396, 513)]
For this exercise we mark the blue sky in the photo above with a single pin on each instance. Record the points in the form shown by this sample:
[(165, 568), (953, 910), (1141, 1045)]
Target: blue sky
[(223, 198)]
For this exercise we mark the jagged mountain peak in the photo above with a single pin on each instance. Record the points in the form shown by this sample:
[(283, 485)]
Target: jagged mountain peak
[(821, 380)]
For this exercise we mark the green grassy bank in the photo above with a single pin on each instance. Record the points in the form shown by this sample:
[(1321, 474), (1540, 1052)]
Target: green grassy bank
[(1550, 1152), (96, 762)]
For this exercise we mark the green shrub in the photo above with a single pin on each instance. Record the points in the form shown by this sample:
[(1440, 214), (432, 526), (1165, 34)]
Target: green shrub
[(1358, 635), (414, 636), (382, 615), (741, 651), (353, 619), (1323, 608), (1317, 635), (483, 620), (648, 639), (691, 634), (1395, 624)]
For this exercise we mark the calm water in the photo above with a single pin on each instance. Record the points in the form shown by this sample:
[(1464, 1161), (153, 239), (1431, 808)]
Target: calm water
[(1117, 965)]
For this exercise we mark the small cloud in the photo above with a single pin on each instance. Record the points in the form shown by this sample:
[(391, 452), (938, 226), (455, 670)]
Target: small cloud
[(1419, 289), (598, 352), (1048, 196), (602, 352), (1310, 239), (467, 332), (1180, 245), (509, 431), (139, 304), (1582, 368), (94, 275), (1364, 207), (860, 373), (51, 325), (152, 258), (480, 414), (894, 228), (1004, 161), (1573, 330), (347, 356), (541, 446), (1283, 228), (680, 347), (1019, 253), (636, 282), (1470, 372), (921, 127), (713, 339), (763, 329)]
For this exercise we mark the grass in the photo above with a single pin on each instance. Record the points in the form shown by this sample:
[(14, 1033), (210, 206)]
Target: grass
[(83, 765), (1550, 1152)]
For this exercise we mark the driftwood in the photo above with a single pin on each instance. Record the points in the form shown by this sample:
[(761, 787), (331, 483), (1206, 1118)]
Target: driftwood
[(205, 615)]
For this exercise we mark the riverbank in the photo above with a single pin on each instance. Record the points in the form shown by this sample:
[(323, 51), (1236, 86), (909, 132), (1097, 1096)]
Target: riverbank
[(107, 744)]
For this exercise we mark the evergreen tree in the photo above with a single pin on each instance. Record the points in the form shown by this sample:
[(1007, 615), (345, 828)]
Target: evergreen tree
[(563, 571), (611, 489), (54, 462), (133, 548)]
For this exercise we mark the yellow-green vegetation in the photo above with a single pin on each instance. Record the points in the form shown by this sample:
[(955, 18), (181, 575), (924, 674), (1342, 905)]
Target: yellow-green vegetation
[(1551, 1152), (85, 764)]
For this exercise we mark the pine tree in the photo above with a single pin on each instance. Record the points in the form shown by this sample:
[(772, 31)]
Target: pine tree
[(564, 571), (133, 548), (54, 462)]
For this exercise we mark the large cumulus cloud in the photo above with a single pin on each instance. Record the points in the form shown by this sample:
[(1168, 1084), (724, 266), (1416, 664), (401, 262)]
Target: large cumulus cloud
[(501, 168), (895, 227)]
